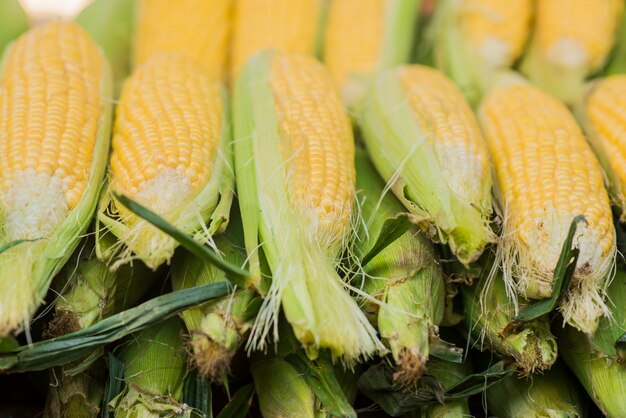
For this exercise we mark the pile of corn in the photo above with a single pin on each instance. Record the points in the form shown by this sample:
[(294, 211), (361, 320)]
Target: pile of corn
[(314, 208)]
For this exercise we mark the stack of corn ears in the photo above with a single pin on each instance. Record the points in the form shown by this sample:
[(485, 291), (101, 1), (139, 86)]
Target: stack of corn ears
[(273, 199)]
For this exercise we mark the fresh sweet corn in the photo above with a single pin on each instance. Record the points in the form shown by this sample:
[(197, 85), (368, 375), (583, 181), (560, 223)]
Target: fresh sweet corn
[(572, 40), (606, 128), (425, 142), (291, 26), (476, 39), (155, 365), (598, 363), (294, 159), (171, 152), (405, 277), (55, 113), (548, 175), (200, 29), (543, 395), (382, 38), (217, 328)]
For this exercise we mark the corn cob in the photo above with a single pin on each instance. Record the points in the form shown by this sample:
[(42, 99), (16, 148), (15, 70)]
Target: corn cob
[(290, 26), (547, 175), (217, 328), (476, 39), (171, 152), (548, 395), (109, 23), (425, 142), (55, 91), (488, 316), (571, 41), (154, 369), (597, 362), (294, 158), (199, 29), (405, 277), (281, 389), (354, 53), (605, 127), (13, 22)]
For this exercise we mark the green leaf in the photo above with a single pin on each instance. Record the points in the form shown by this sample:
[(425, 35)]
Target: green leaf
[(239, 405), (321, 378), (377, 384), (197, 395), (392, 229), (15, 243), (114, 383), (76, 345), (235, 274), (563, 273), (445, 351)]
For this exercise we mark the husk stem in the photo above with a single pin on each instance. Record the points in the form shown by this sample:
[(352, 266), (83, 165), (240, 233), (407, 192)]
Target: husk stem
[(489, 318), (13, 22), (110, 24), (304, 279), (155, 365), (405, 156), (203, 213), (543, 395), (282, 391), (217, 328), (78, 396), (598, 362), (27, 269), (405, 278), (447, 374)]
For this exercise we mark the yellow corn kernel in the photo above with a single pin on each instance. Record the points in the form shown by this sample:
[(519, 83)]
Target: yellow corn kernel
[(199, 28), (547, 175), (497, 30), (286, 25), (55, 111), (50, 101), (606, 125), (577, 32), (166, 137), (354, 48), (319, 156)]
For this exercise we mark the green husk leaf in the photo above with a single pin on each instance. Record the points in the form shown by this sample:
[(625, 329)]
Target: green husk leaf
[(489, 317), (235, 274), (154, 371), (448, 375), (114, 383), (239, 405), (13, 22), (403, 274), (110, 24), (548, 395), (197, 394), (39, 261), (616, 63), (321, 378), (76, 345), (445, 351), (563, 273), (377, 384), (76, 396), (609, 341)]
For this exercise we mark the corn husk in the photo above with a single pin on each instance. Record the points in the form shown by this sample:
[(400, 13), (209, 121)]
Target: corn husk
[(217, 328), (448, 374), (13, 22), (547, 395), (405, 278), (110, 24), (599, 362), (489, 316), (155, 365)]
